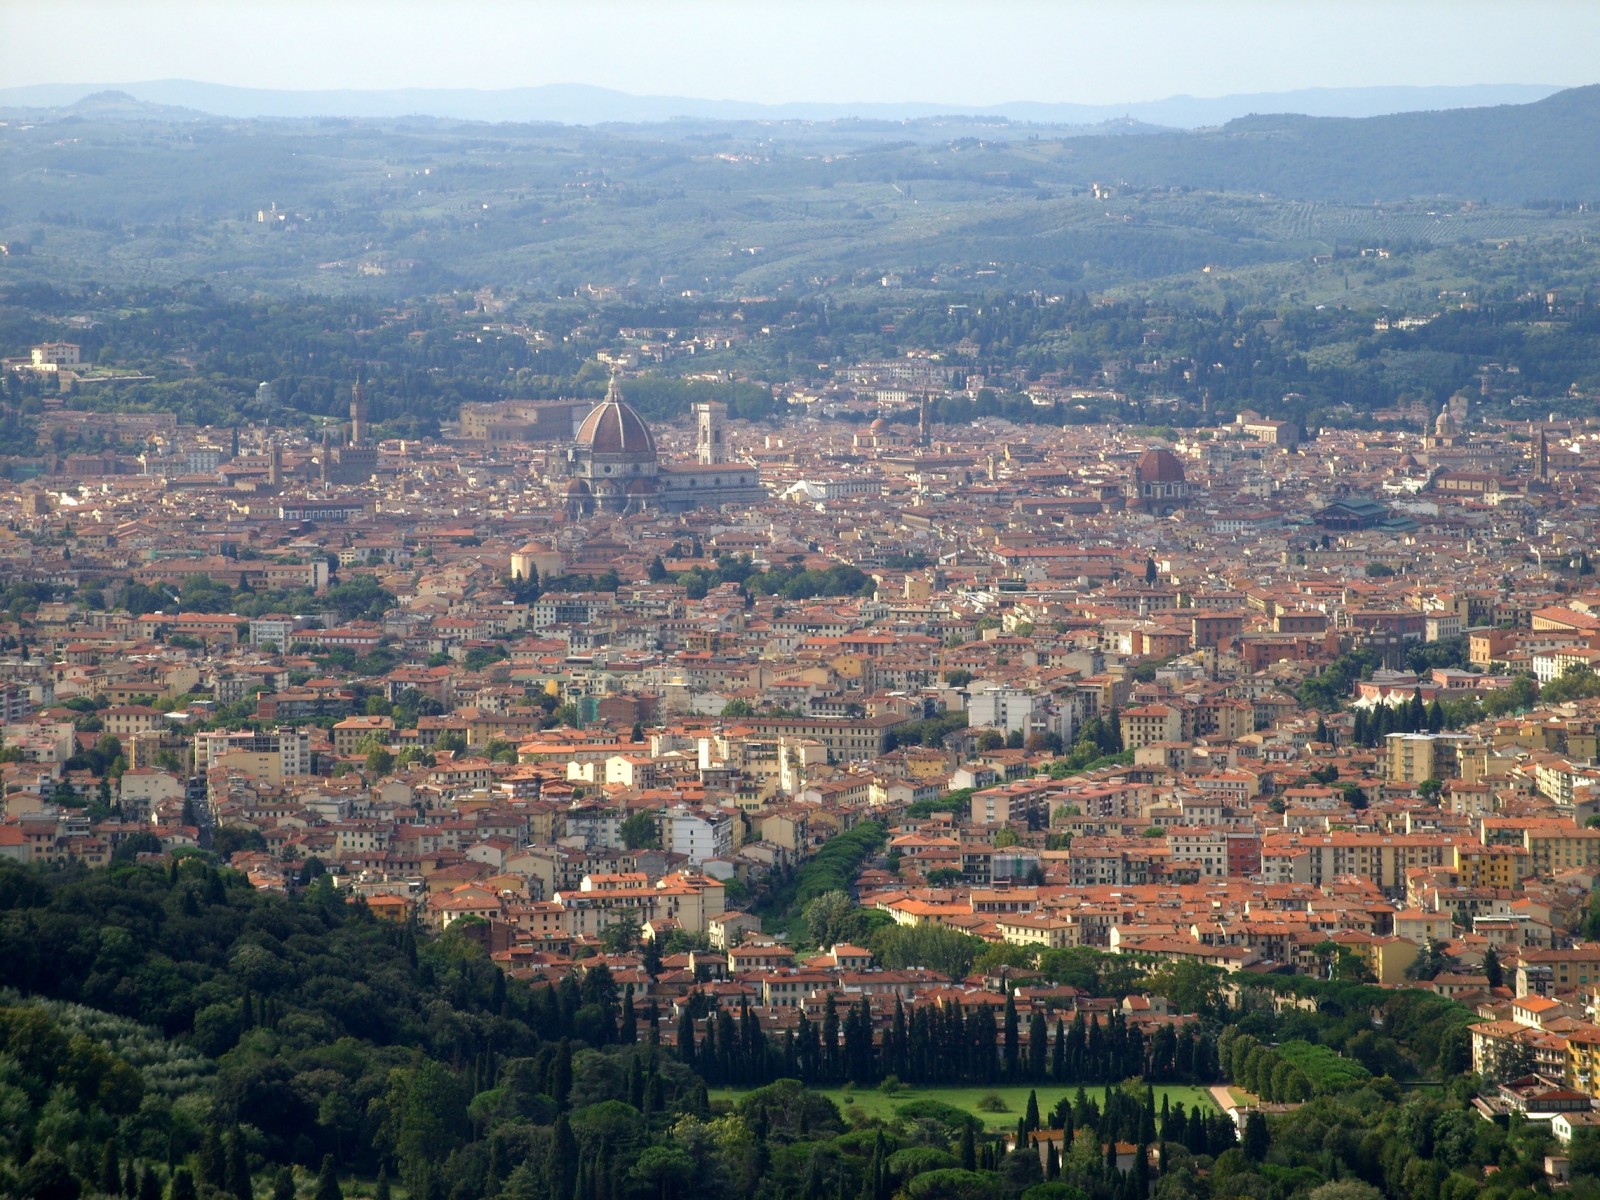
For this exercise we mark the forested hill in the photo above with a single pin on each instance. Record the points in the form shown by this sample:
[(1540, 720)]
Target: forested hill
[(170, 1031), (1509, 154), (115, 191)]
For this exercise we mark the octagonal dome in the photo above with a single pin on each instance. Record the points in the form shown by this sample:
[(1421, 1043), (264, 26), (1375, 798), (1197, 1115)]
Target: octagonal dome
[(613, 428), (1159, 466)]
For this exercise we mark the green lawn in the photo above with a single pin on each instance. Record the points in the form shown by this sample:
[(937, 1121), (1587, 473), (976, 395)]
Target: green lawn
[(874, 1103)]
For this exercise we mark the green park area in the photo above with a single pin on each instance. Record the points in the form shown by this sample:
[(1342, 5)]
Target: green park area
[(979, 1101)]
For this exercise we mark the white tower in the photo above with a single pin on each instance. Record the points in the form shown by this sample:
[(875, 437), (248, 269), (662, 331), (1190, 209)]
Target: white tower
[(710, 447)]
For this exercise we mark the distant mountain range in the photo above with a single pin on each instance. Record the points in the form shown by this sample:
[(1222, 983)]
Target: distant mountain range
[(580, 104)]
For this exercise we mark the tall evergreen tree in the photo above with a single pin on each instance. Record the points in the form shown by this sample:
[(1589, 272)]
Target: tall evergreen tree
[(561, 1162), (328, 1181), (1012, 1032), (212, 1161), (1038, 1046), (561, 1073), (1492, 970), (1257, 1139), (686, 1049), (110, 1175), (239, 1185)]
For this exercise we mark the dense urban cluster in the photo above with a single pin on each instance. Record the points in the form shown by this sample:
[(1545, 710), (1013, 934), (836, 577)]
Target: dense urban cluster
[(854, 747)]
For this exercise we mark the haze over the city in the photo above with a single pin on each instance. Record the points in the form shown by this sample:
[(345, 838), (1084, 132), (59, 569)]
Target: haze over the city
[(956, 54)]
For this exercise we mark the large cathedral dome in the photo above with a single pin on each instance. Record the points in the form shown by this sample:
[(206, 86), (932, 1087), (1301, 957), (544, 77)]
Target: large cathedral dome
[(614, 457), (613, 428)]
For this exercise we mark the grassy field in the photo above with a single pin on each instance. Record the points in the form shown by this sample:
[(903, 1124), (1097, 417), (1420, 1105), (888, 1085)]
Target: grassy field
[(874, 1103)]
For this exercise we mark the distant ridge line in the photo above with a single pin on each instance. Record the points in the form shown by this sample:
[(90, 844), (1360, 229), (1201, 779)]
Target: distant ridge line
[(582, 104)]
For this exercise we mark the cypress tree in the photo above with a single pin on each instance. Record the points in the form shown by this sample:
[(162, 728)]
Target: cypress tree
[(1257, 1139), (686, 1037), (969, 1148), (110, 1180), (182, 1185), (328, 1181), (1012, 1031), (561, 1074), (239, 1185), (630, 1019), (899, 1064), (1038, 1046), (708, 1052), (1031, 1115), (150, 1186), (830, 1040), (561, 1163), (1058, 1056), (211, 1160)]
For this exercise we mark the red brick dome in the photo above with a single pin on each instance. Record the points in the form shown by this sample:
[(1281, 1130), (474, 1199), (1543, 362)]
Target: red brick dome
[(1159, 466)]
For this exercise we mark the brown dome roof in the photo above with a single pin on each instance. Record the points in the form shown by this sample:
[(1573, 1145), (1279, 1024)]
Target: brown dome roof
[(1159, 466), (613, 428)]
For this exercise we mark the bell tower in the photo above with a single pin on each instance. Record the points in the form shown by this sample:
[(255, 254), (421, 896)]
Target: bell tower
[(358, 411), (710, 447)]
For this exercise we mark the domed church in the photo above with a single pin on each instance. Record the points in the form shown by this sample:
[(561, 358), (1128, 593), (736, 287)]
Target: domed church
[(1159, 485), (612, 465), (612, 462)]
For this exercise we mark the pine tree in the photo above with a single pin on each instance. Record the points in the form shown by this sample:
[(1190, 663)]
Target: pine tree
[(1492, 970), (382, 1190)]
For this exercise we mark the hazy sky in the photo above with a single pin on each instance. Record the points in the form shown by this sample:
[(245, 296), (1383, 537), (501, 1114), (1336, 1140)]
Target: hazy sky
[(971, 51)]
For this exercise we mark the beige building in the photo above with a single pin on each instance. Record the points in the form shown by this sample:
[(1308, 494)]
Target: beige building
[(1153, 723)]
